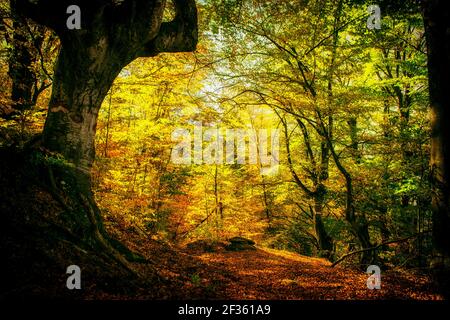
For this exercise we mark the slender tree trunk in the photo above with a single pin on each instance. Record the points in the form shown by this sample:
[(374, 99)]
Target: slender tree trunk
[(320, 191), (358, 223), (352, 124), (108, 124), (216, 190), (20, 67), (266, 203), (27, 82), (324, 240)]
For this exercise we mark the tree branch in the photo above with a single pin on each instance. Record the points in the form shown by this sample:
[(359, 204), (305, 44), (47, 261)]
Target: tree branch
[(377, 246), (179, 35)]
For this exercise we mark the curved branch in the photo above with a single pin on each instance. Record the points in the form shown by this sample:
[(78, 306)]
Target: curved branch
[(179, 35), (345, 256), (297, 179)]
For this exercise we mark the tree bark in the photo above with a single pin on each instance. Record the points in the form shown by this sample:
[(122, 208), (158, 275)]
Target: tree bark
[(78, 91), (324, 239), (436, 17)]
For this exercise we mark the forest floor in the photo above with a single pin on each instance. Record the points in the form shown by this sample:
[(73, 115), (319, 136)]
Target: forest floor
[(268, 274), (38, 248), (273, 274)]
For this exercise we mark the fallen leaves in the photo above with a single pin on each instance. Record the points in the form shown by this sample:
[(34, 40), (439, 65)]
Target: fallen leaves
[(266, 274), (272, 274)]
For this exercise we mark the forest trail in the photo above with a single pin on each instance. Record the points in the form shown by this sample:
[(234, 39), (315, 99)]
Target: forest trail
[(274, 274)]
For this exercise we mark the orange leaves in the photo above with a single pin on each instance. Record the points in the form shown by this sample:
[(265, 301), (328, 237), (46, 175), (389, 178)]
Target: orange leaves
[(274, 274)]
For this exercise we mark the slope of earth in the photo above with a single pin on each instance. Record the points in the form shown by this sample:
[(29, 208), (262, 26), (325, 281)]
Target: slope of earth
[(265, 274), (273, 274)]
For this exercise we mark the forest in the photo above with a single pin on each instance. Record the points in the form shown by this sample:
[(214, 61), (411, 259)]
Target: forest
[(225, 149)]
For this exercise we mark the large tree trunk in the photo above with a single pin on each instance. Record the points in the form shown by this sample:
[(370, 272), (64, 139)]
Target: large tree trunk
[(436, 19), (80, 85), (112, 35), (83, 75)]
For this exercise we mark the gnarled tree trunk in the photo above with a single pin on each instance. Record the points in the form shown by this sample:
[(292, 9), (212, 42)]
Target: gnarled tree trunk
[(112, 35), (76, 98)]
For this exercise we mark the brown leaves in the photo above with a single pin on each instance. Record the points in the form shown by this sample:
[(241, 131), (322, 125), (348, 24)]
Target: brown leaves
[(274, 274)]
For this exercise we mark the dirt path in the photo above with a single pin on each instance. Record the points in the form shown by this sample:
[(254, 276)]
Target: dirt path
[(274, 274), (263, 274)]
